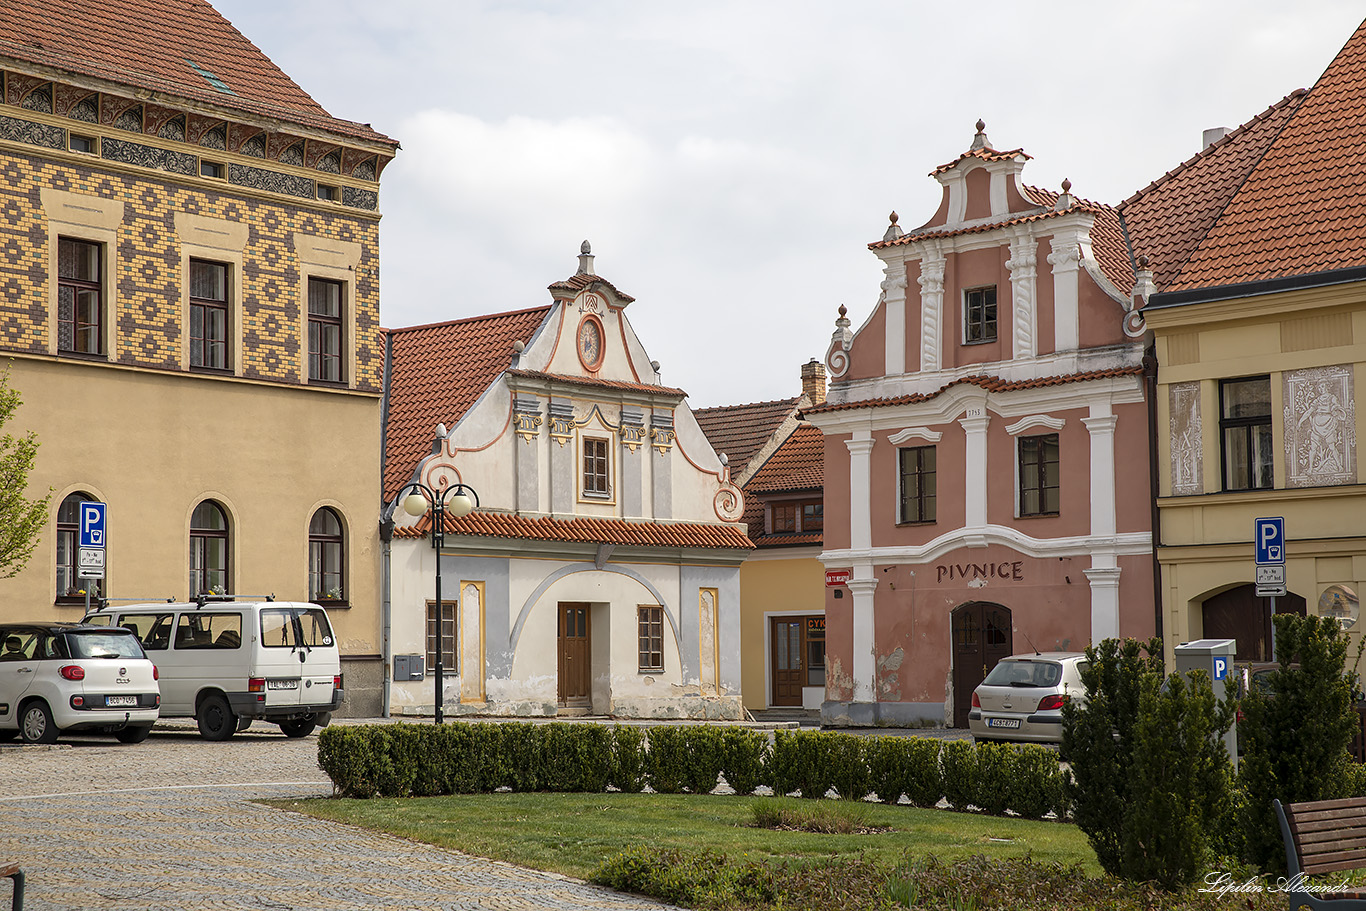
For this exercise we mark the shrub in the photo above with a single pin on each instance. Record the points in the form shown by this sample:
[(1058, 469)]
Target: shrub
[(782, 763), (349, 757), (698, 879), (704, 756), (888, 761), (574, 757), (743, 752), (1182, 780), (959, 761), (815, 762), (994, 778), (519, 745), (848, 757), (922, 779), (667, 759), (1098, 740), (1296, 731), (629, 766), (825, 817), (1036, 785)]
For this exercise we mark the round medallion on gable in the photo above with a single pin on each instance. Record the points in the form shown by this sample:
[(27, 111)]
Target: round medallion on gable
[(590, 343)]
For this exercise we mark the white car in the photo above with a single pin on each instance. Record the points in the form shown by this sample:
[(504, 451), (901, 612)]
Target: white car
[(57, 677), (1022, 697), (226, 663)]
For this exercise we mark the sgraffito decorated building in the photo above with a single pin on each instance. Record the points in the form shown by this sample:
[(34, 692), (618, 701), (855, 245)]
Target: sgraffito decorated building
[(189, 300), (986, 448), (600, 573)]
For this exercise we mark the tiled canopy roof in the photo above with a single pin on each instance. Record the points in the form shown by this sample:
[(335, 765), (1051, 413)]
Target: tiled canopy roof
[(587, 531), (1301, 209), (438, 371), (592, 381), (983, 155), (989, 383), (582, 280), (742, 430), (798, 464), (1167, 219), (163, 46)]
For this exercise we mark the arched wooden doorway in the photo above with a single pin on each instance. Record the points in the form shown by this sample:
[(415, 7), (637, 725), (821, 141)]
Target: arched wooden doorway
[(981, 633), (1240, 615)]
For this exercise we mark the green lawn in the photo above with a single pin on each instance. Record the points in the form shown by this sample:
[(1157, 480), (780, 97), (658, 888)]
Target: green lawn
[(574, 833)]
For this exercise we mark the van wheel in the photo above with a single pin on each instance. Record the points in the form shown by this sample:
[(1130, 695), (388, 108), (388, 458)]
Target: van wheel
[(298, 728), (216, 720), (36, 724), (134, 733)]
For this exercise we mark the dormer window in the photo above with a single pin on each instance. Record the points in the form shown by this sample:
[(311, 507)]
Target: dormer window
[(792, 517), (979, 315)]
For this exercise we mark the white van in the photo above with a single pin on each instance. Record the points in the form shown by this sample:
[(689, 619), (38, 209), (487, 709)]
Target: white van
[(227, 663)]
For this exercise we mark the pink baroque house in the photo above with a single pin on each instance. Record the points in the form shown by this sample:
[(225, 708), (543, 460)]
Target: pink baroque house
[(986, 448)]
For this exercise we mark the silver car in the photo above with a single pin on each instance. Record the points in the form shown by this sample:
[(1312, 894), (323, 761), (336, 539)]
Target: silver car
[(1022, 697)]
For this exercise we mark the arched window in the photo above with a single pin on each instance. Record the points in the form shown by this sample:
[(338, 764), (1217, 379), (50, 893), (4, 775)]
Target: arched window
[(71, 588), (326, 558), (208, 550)]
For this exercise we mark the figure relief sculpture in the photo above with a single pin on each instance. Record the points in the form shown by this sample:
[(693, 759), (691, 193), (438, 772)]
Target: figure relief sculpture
[(1320, 434), (1186, 439)]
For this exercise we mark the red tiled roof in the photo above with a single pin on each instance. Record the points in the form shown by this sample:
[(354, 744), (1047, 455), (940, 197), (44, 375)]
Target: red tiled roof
[(742, 430), (438, 371), (1166, 220), (587, 531), (581, 280), (798, 464), (1302, 208), (984, 155), (989, 383), (596, 382), (150, 44)]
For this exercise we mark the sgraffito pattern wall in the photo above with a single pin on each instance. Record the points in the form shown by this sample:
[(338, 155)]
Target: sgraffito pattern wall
[(149, 257)]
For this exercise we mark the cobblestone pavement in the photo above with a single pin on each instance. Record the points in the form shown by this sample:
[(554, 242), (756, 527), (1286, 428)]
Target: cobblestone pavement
[(169, 824)]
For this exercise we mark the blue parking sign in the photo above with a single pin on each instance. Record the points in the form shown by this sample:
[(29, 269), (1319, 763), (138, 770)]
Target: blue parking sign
[(1220, 668), (92, 524), (1268, 537)]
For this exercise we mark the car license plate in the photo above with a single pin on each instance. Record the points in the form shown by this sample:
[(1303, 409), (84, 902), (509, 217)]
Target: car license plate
[(282, 684), (1003, 722), (120, 700)]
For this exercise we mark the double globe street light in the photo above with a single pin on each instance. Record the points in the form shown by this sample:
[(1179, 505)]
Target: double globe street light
[(456, 501)]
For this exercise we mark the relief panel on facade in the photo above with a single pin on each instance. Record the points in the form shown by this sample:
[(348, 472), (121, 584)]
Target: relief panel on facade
[(1320, 427), (1186, 439)]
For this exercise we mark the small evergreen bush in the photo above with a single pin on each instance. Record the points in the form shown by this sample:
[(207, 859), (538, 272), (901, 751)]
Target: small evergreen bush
[(994, 777), (667, 759), (888, 764), (958, 759), (1035, 787), (922, 778), (704, 756), (815, 762), (782, 764), (848, 757), (743, 752), (629, 765)]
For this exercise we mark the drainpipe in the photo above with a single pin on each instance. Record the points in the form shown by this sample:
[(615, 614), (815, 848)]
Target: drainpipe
[(386, 535), (1150, 381)]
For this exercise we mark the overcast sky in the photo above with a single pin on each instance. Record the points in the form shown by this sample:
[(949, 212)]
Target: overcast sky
[(730, 161)]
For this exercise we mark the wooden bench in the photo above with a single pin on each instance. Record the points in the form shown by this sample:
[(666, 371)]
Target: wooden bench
[(13, 872), (1323, 836)]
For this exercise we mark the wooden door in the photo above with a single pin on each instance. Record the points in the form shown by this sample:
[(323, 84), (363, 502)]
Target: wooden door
[(574, 664), (1240, 615), (789, 673), (981, 634)]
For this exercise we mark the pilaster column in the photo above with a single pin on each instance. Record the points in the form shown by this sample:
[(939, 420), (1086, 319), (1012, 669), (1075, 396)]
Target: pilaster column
[(931, 311), (862, 587), (1023, 279), (974, 424), (1102, 429), (1104, 578), (860, 490), (1066, 262), (894, 300)]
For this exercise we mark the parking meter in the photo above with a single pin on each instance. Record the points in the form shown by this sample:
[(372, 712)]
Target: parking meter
[(1215, 658)]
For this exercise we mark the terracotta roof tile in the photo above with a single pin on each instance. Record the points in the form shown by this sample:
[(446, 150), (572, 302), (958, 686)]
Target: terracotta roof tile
[(587, 531), (1301, 209), (598, 383), (742, 430), (989, 383), (798, 464), (1166, 220), (156, 45), (438, 371), (579, 281), (983, 155)]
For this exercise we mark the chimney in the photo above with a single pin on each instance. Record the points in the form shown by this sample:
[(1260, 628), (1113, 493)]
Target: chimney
[(1213, 135), (813, 381)]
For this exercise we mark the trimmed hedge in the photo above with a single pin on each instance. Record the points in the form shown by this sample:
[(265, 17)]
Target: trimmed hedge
[(412, 760)]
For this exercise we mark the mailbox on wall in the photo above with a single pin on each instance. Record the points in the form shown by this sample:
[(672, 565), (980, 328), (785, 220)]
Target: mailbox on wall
[(409, 667), (1215, 658)]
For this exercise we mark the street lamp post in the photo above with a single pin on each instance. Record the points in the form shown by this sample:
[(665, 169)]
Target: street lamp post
[(457, 502)]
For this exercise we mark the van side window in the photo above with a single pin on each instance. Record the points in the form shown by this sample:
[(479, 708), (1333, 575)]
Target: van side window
[(290, 627), (214, 631), (153, 630)]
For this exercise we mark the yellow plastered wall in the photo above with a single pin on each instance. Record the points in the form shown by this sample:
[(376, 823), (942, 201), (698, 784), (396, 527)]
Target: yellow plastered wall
[(770, 586)]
